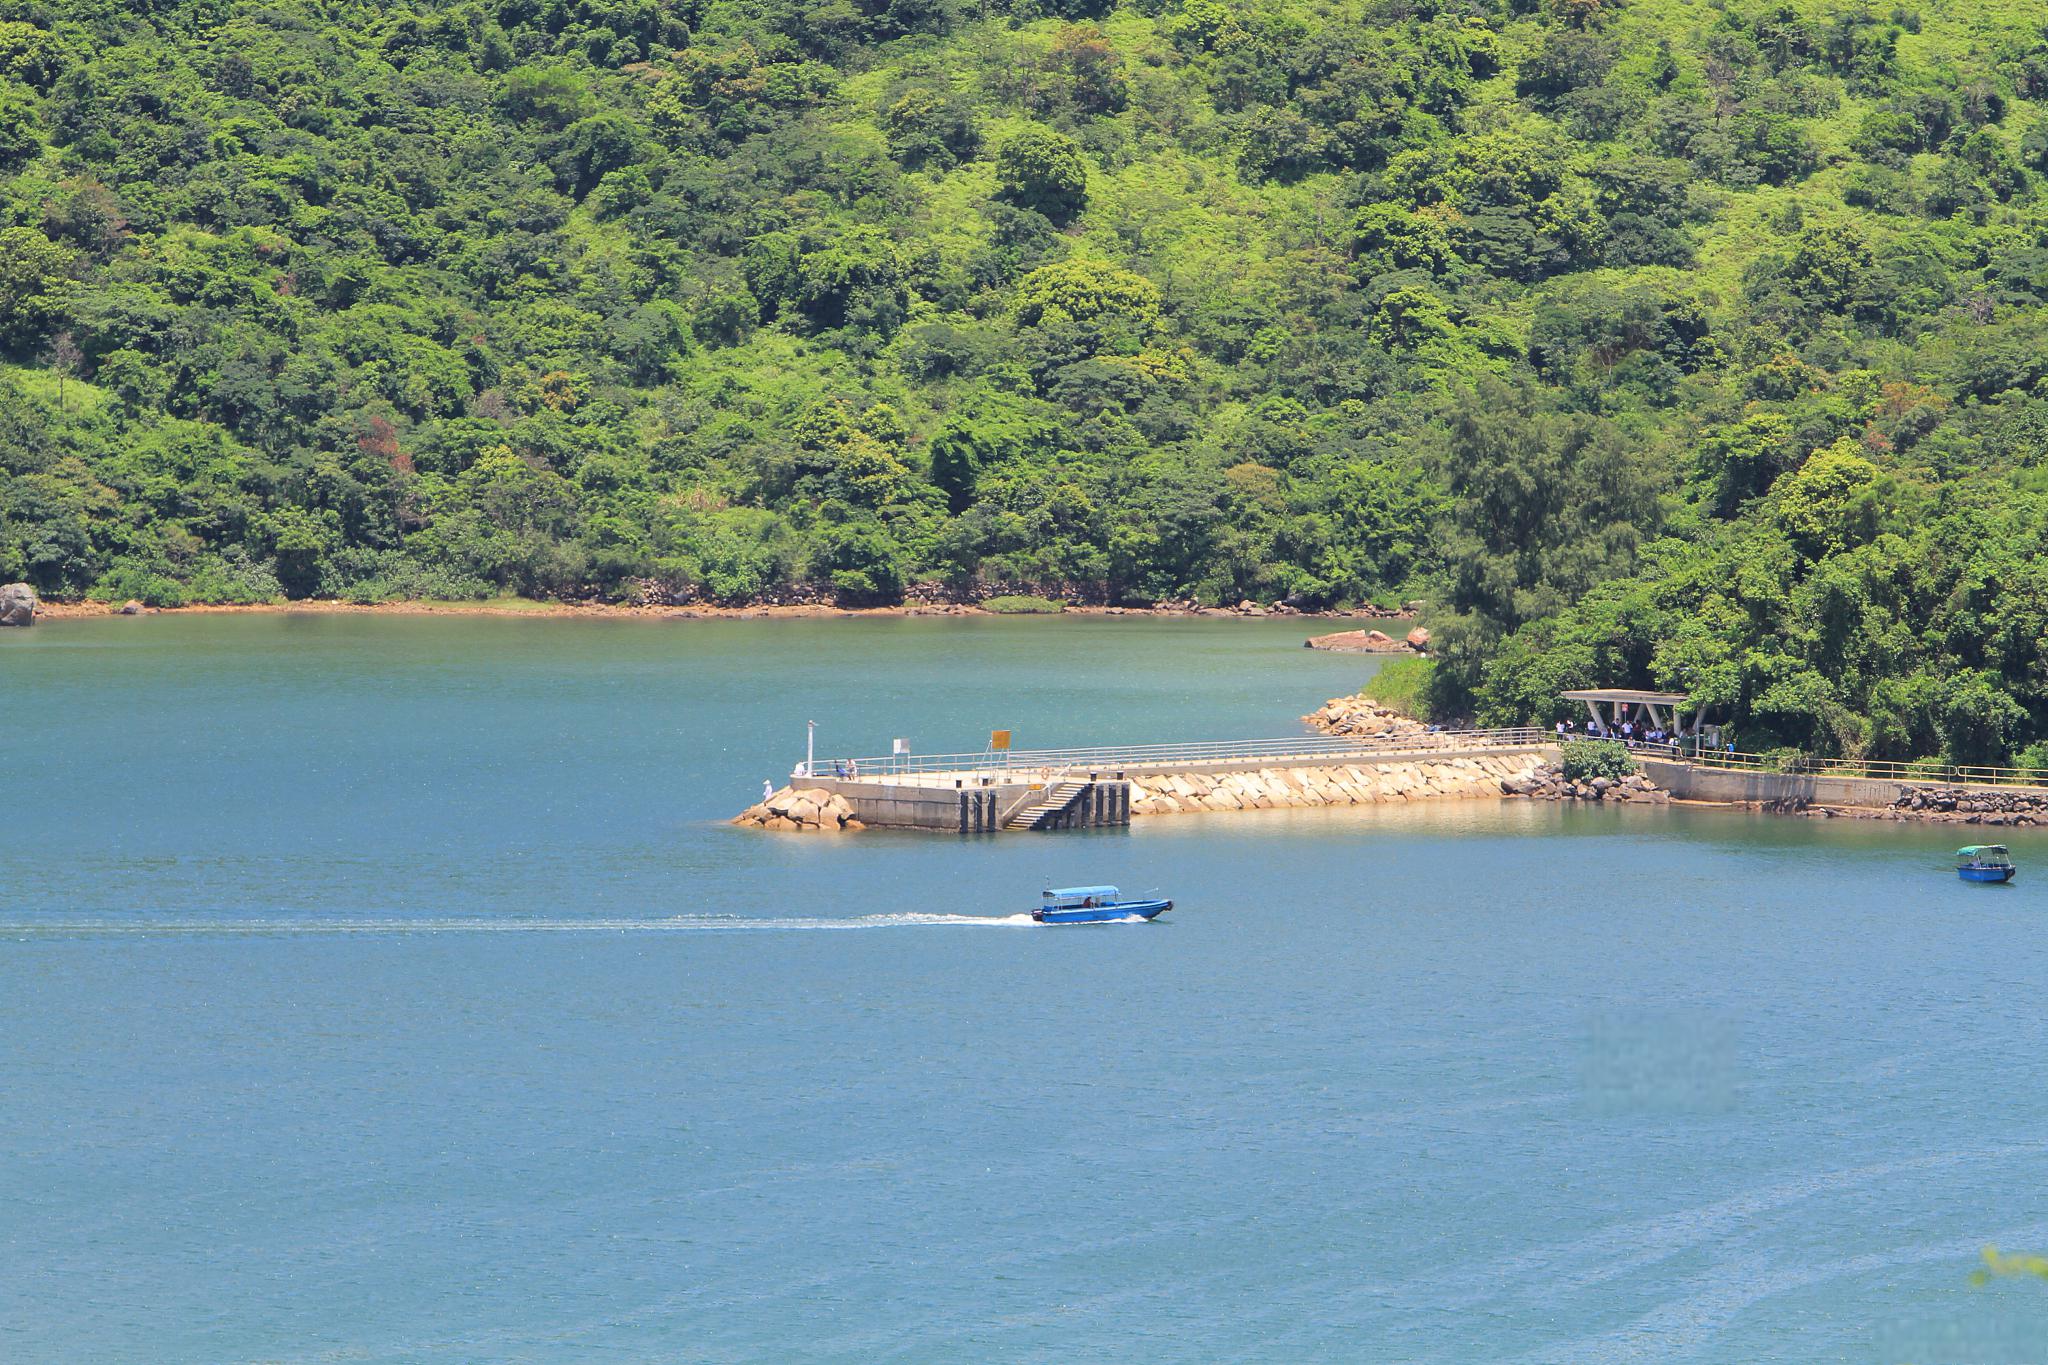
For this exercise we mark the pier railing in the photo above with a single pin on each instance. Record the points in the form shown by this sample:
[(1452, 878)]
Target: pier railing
[(1886, 770), (1032, 764), (1924, 770)]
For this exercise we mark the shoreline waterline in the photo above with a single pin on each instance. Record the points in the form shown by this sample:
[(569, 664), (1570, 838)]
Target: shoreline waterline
[(47, 610)]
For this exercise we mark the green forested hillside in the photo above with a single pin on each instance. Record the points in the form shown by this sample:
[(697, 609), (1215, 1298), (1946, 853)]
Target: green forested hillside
[(1696, 344)]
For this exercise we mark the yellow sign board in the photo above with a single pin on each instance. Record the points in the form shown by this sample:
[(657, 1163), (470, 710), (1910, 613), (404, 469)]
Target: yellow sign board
[(999, 739)]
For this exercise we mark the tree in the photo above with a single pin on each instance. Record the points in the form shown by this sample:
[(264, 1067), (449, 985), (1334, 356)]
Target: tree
[(1087, 291), (1831, 265), (859, 562), (20, 133), (1830, 502), (1980, 721), (1387, 237), (1039, 169), (35, 284), (1545, 505), (927, 129)]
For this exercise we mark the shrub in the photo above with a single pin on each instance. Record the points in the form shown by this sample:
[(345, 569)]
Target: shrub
[(1017, 605), (1585, 760), (1402, 685), (126, 579)]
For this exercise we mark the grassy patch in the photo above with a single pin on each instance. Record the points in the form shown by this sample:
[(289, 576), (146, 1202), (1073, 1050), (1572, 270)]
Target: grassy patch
[(1016, 605)]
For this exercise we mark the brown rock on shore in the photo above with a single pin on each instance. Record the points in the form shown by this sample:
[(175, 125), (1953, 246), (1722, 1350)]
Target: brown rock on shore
[(1357, 642), (1370, 642), (812, 810), (1363, 718)]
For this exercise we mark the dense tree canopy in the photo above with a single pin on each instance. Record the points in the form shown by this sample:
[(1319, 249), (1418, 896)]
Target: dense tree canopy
[(1661, 342)]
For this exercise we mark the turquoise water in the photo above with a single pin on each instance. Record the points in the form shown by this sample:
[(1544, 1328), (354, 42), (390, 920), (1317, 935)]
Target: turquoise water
[(387, 990)]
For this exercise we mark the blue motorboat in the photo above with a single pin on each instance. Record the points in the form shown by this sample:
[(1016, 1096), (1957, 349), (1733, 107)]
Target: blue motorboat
[(1094, 905), (1984, 863)]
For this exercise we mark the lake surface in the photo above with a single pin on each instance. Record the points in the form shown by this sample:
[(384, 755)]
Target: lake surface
[(388, 989)]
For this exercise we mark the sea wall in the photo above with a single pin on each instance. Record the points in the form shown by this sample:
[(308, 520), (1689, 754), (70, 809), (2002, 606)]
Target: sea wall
[(1465, 776), (1864, 797), (1779, 791), (888, 805)]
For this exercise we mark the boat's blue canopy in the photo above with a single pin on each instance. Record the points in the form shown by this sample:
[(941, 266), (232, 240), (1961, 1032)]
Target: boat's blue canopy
[(1081, 893), (1972, 850)]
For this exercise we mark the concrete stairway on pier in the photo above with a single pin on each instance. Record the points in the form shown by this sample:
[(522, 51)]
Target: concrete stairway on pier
[(1054, 801)]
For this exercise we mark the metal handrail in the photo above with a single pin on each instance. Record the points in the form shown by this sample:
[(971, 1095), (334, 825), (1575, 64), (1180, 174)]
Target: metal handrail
[(1035, 762), (1881, 769), (1024, 797)]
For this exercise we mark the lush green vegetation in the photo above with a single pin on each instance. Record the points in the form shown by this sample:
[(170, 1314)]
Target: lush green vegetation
[(1587, 759), (1667, 342), (1403, 685), (1018, 604)]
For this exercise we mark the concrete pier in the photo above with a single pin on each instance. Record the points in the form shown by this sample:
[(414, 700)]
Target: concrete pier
[(1108, 788)]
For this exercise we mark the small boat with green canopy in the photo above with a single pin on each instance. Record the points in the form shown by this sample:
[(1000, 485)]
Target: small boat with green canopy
[(1984, 863)]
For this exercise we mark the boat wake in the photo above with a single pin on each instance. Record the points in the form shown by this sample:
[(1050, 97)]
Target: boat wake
[(478, 924)]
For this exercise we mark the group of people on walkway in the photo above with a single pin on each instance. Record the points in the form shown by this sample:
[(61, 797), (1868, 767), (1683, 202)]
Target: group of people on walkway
[(1628, 732)]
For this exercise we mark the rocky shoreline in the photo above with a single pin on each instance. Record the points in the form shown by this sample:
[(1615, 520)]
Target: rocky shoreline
[(1547, 782), (1941, 805), (1360, 717), (54, 611)]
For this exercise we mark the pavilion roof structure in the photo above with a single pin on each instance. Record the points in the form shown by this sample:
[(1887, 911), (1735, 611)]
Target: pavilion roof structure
[(1627, 696)]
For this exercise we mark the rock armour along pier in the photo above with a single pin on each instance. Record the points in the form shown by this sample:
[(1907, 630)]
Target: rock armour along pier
[(1367, 783)]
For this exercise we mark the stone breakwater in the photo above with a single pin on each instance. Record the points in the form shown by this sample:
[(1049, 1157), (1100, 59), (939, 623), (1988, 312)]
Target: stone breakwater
[(1479, 775), (1940, 805), (809, 811), (1547, 782), (1361, 718), (1967, 807)]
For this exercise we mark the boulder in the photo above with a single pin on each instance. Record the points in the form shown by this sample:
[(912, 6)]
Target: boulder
[(17, 605), (1354, 642), (132, 608), (1418, 638)]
